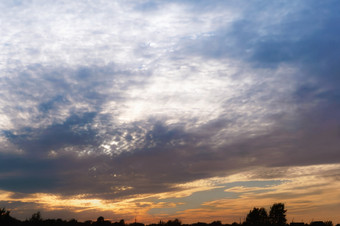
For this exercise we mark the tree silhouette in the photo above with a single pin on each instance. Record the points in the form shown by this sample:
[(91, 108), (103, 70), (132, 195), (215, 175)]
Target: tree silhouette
[(216, 223), (6, 219), (175, 222), (328, 223), (36, 217), (257, 217), (277, 214), (100, 219), (122, 222)]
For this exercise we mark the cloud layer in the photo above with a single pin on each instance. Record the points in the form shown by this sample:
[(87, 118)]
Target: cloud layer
[(113, 102)]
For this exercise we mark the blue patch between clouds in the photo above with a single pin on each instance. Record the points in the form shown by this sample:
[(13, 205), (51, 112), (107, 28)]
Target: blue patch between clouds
[(198, 198)]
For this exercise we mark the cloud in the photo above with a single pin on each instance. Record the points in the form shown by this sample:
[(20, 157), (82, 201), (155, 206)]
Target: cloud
[(302, 190), (112, 101)]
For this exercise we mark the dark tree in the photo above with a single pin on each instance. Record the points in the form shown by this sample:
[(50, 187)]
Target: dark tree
[(277, 214), (72, 222), (36, 217), (257, 217), (216, 223), (100, 219), (35, 220), (329, 223), (175, 222), (122, 222), (6, 219)]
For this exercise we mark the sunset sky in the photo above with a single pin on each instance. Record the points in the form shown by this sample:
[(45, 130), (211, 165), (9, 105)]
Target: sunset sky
[(156, 110)]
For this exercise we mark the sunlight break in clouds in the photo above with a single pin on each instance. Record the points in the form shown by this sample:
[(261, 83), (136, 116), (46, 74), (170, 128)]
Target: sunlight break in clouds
[(199, 110)]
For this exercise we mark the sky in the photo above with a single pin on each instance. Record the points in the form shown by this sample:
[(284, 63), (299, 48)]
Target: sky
[(156, 110)]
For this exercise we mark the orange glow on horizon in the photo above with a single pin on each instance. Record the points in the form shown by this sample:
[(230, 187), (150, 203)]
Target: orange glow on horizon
[(306, 192)]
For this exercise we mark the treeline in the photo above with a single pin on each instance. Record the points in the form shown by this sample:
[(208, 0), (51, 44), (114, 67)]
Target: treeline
[(255, 217)]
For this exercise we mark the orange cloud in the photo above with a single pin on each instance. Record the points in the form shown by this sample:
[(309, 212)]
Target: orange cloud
[(309, 192)]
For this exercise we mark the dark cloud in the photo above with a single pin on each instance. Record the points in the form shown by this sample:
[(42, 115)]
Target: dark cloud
[(27, 175), (171, 155), (71, 132), (168, 156)]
